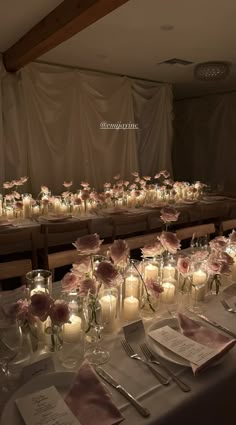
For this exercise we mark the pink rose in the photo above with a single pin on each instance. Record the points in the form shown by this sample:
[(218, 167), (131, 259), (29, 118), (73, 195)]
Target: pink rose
[(8, 185), (20, 311), (82, 265), (170, 242), (147, 178), (107, 185), (18, 205), (183, 264), (119, 251), (67, 184), (218, 243), (87, 286), (69, 282), (219, 263), (152, 250), (59, 313), (117, 177), (40, 305), (108, 274), (77, 201), (169, 214), (85, 195), (135, 173), (23, 179), (88, 244), (232, 237), (154, 287), (84, 184), (44, 189)]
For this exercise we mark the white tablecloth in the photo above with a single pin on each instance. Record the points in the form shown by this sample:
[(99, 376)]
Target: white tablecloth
[(212, 397)]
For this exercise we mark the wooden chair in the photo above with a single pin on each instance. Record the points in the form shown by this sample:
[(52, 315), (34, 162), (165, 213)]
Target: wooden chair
[(17, 242), (198, 231), (129, 224), (227, 225), (56, 234)]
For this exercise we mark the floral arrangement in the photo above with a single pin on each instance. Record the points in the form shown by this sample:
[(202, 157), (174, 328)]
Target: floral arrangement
[(139, 192)]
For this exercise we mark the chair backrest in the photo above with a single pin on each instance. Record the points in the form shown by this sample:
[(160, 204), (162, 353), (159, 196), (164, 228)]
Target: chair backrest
[(125, 224), (17, 268), (198, 231), (19, 240), (227, 225), (61, 234)]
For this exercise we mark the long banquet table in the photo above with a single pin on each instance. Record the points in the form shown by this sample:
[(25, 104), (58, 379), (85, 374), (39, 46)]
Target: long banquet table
[(212, 397), (101, 222)]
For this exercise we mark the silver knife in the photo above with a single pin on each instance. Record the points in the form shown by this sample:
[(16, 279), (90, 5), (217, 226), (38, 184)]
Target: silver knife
[(215, 324), (108, 378)]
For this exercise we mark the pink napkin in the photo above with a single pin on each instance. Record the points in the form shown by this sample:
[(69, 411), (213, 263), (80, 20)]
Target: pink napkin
[(89, 400), (205, 336)]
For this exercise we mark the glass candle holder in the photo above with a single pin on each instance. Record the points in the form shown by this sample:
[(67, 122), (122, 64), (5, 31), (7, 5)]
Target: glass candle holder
[(169, 269), (169, 293), (109, 309), (27, 205), (131, 292), (151, 268), (199, 281), (39, 281)]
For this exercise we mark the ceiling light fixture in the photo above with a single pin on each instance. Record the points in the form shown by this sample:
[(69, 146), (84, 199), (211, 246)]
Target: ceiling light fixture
[(208, 71)]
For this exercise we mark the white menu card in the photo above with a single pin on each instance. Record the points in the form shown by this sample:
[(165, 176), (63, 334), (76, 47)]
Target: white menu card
[(45, 407), (185, 347)]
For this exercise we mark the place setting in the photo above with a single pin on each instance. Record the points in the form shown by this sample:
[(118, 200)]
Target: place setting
[(113, 320)]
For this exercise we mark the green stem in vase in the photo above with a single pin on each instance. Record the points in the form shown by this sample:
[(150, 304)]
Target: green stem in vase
[(146, 290)]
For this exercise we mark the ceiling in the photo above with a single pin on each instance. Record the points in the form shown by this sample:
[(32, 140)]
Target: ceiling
[(130, 40)]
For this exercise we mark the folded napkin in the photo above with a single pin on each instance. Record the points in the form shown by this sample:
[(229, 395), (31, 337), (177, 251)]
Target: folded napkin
[(205, 336), (89, 400)]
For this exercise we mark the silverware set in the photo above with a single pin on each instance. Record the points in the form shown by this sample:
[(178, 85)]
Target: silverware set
[(150, 360), (131, 353)]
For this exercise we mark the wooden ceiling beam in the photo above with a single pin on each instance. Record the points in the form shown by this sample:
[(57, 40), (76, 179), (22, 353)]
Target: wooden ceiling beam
[(69, 18)]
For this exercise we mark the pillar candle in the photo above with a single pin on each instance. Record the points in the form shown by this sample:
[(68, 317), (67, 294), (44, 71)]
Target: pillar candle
[(131, 308), (151, 272), (27, 206), (199, 277), (168, 271), (132, 286), (71, 331), (168, 296), (108, 309)]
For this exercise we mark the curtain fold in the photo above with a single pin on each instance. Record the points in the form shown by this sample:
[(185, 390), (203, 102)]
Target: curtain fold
[(51, 127), (204, 146)]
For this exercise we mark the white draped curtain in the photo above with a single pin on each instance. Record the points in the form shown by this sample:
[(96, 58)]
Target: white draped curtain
[(50, 126), (204, 146)]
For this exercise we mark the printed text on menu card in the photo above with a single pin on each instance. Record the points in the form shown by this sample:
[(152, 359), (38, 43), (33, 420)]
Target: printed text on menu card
[(47, 407), (185, 347)]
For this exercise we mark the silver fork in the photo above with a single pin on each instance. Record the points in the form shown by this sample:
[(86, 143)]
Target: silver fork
[(131, 353), (151, 358), (227, 307)]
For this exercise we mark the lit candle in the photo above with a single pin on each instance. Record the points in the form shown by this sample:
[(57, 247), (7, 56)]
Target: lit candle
[(132, 286), (131, 308), (10, 213), (151, 272), (108, 309), (39, 284), (27, 206), (71, 331), (168, 296), (199, 277), (168, 272), (36, 210)]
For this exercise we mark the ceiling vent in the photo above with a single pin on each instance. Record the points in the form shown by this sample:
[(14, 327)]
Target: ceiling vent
[(176, 61), (208, 71)]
